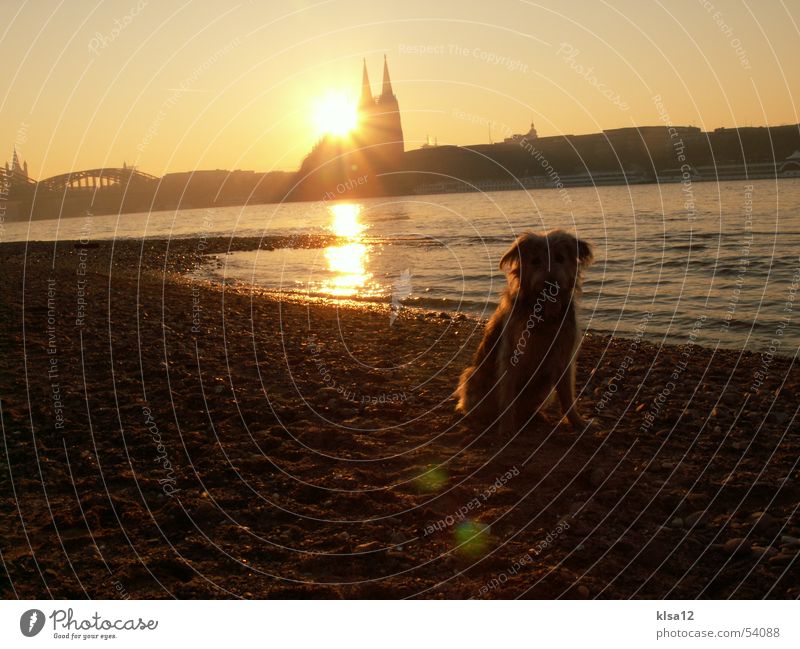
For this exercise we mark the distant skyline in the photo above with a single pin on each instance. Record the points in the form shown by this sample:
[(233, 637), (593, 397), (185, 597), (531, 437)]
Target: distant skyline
[(183, 85)]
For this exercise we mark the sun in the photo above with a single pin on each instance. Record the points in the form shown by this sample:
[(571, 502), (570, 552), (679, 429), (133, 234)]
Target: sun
[(335, 114)]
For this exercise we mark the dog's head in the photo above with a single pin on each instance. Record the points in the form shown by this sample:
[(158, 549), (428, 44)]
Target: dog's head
[(544, 270)]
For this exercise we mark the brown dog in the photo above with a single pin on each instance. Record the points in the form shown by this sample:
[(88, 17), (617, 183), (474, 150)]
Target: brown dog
[(531, 342)]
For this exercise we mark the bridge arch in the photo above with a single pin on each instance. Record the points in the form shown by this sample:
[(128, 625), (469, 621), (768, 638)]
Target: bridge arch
[(96, 179)]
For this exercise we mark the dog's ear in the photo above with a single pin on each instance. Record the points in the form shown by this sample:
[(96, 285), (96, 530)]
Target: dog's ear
[(511, 260), (585, 252)]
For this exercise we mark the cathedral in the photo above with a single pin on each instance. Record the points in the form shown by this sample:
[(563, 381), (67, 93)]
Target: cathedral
[(361, 158), (16, 174), (379, 117)]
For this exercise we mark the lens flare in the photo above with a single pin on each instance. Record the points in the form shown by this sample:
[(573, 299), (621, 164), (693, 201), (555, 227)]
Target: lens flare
[(472, 539), (433, 479)]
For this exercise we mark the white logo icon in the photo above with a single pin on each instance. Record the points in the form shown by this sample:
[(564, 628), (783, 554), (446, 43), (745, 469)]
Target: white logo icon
[(31, 622), (401, 289)]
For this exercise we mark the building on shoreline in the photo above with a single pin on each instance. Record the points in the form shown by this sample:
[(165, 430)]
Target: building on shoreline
[(517, 138), (16, 173), (623, 156)]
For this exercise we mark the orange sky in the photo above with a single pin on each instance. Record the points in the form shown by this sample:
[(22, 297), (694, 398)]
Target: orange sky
[(182, 85)]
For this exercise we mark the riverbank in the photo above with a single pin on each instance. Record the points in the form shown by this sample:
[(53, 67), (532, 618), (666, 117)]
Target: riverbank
[(169, 437)]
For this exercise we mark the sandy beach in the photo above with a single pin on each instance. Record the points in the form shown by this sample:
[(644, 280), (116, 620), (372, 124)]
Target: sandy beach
[(163, 437)]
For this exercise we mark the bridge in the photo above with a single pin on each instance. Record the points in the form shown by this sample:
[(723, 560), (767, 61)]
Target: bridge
[(96, 179)]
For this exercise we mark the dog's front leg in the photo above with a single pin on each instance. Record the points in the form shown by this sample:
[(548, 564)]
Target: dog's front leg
[(507, 395), (566, 395)]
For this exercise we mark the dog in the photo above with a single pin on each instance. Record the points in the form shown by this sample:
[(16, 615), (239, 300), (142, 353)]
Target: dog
[(531, 342)]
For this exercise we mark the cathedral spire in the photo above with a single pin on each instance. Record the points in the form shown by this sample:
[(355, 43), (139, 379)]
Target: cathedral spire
[(387, 83), (366, 91)]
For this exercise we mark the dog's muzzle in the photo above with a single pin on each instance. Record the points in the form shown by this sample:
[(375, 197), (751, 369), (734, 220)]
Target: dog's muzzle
[(550, 302)]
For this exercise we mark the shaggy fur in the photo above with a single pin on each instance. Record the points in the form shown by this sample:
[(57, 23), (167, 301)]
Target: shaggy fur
[(531, 342)]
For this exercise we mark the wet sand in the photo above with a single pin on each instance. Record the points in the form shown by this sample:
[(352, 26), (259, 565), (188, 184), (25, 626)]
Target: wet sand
[(164, 437)]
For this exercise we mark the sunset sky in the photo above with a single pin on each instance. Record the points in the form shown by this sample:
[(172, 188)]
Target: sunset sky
[(185, 85)]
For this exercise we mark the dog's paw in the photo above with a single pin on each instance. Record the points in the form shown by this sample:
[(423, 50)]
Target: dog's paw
[(596, 428), (541, 418), (580, 424)]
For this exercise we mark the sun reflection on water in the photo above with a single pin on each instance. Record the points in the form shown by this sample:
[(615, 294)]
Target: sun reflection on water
[(345, 220), (347, 261)]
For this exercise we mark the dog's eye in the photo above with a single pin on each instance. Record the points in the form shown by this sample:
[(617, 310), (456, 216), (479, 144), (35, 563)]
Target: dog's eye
[(559, 258)]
